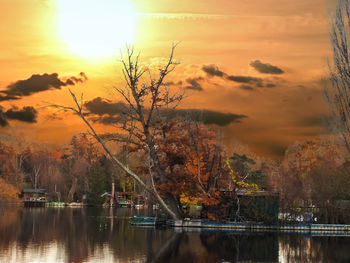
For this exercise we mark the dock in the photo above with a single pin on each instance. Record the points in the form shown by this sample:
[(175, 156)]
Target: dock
[(259, 227)]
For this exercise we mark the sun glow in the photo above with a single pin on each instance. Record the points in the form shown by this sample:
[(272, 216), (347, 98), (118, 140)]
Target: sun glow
[(96, 28)]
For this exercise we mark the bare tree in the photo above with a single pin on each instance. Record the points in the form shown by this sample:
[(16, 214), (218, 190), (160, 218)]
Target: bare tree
[(338, 95), (144, 98)]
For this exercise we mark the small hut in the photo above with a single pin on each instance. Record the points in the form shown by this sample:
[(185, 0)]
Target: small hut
[(34, 197)]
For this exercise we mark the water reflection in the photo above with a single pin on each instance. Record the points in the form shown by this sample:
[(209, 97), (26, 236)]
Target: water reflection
[(104, 235)]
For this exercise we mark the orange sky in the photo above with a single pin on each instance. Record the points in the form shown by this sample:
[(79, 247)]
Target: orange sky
[(226, 34)]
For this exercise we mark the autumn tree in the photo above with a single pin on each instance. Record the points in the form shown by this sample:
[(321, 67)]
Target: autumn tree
[(309, 171), (330, 192), (8, 193), (11, 162), (143, 97), (192, 160)]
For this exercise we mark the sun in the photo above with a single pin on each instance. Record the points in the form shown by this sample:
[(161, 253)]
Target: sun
[(94, 28)]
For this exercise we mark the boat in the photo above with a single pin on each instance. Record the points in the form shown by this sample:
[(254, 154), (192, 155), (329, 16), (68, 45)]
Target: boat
[(147, 221)]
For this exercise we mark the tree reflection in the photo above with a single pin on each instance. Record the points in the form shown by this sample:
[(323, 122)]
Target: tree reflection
[(296, 248), (95, 234)]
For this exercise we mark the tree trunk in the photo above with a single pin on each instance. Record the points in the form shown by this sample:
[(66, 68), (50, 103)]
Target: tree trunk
[(174, 206), (72, 190), (112, 193), (150, 200)]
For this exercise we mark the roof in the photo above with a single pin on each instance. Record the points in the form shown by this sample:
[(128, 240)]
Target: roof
[(34, 191), (243, 192)]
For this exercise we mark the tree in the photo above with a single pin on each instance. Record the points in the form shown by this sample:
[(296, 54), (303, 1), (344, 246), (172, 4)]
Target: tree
[(241, 165), (8, 192), (339, 94), (82, 154), (143, 99), (97, 184), (192, 160), (330, 187)]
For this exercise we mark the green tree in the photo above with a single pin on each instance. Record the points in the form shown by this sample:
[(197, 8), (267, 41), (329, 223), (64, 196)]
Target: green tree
[(97, 185), (242, 166)]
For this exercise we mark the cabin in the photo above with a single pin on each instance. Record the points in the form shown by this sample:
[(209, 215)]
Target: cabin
[(125, 199), (34, 197)]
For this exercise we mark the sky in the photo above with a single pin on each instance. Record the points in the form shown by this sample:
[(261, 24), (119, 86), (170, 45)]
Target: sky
[(256, 69)]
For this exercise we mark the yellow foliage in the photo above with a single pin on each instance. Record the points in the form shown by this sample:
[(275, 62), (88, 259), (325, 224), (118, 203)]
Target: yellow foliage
[(8, 193), (188, 200), (251, 188)]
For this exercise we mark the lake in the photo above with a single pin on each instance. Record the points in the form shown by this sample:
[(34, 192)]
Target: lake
[(104, 235)]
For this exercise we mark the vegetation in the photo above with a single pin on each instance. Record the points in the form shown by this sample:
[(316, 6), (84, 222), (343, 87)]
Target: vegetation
[(339, 93), (180, 161)]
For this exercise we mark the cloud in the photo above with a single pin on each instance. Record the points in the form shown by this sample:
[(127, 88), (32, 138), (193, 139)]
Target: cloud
[(207, 116), (244, 79), (100, 106), (38, 83), (270, 85), (108, 112), (26, 114), (172, 83), (8, 97), (246, 87), (248, 82), (194, 84), (265, 68), (213, 70)]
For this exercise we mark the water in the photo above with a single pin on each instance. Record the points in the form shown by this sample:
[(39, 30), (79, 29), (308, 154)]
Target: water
[(104, 235)]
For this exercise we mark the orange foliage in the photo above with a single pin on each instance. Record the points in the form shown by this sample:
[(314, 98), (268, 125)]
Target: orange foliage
[(8, 193), (211, 217), (57, 155), (192, 160)]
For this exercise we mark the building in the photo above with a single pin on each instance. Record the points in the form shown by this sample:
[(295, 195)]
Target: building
[(34, 197)]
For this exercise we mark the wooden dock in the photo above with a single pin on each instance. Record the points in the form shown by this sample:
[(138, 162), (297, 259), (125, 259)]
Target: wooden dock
[(257, 227)]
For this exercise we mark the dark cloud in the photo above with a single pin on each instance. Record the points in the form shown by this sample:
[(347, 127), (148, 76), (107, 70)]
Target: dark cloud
[(194, 84), (8, 97), (213, 70), (244, 79), (266, 68), (38, 83), (249, 82), (270, 85), (108, 112), (172, 83), (207, 116), (100, 106), (26, 114), (107, 119), (246, 87)]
